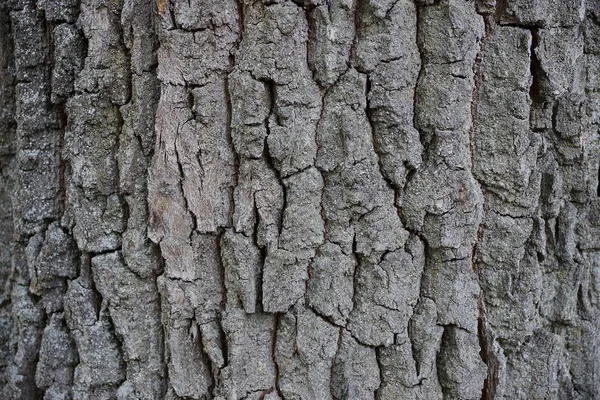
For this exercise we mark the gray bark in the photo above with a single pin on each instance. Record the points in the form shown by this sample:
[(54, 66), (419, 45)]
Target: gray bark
[(299, 199)]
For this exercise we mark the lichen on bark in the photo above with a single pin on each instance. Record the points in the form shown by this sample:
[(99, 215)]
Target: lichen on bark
[(299, 199)]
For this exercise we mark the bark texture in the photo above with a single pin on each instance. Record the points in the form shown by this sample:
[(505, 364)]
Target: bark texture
[(299, 199)]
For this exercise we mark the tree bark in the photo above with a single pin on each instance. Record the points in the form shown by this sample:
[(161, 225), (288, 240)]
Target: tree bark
[(299, 199)]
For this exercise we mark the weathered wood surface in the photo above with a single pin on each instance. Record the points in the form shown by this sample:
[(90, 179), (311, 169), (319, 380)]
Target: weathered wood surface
[(299, 199)]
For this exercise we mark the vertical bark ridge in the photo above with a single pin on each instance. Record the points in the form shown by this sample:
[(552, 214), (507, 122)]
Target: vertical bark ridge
[(305, 199)]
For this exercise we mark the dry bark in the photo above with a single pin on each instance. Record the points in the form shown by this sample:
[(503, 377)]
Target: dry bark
[(299, 199)]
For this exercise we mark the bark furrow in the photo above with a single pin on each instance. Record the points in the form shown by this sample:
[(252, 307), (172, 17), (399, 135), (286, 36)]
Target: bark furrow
[(299, 199)]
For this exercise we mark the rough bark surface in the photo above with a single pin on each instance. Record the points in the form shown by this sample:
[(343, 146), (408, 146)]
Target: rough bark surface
[(299, 199)]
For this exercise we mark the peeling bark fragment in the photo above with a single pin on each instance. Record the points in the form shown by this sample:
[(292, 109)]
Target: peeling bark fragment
[(390, 112), (57, 257), (561, 284), (384, 32), (134, 310), (68, 60), (105, 69), (385, 294), (37, 153), (331, 285), (505, 150), (27, 326), (284, 279), (548, 13), (243, 265), (58, 358), (302, 225), (169, 217), (550, 366), (201, 146), (291, 139), (286, 269), (90, 141), (331, 33), (101, 368), (199, 15), (201, 48), (461, 371), (408, 368), (251, 106), (251, 370), (356, 197), (274, 43), (188, 365), (448, 217), (507, 274), (137, 135), (191, 147), (50, 264), (425, 336), (355, 372), (558, 68), (259, 201), (453, 285), (305, 350)]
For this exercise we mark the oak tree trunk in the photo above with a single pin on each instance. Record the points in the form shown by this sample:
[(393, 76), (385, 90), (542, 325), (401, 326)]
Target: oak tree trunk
[(299, 199)]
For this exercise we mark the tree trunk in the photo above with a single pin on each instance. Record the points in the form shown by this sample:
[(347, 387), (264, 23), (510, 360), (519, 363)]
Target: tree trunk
[(299, 199)]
